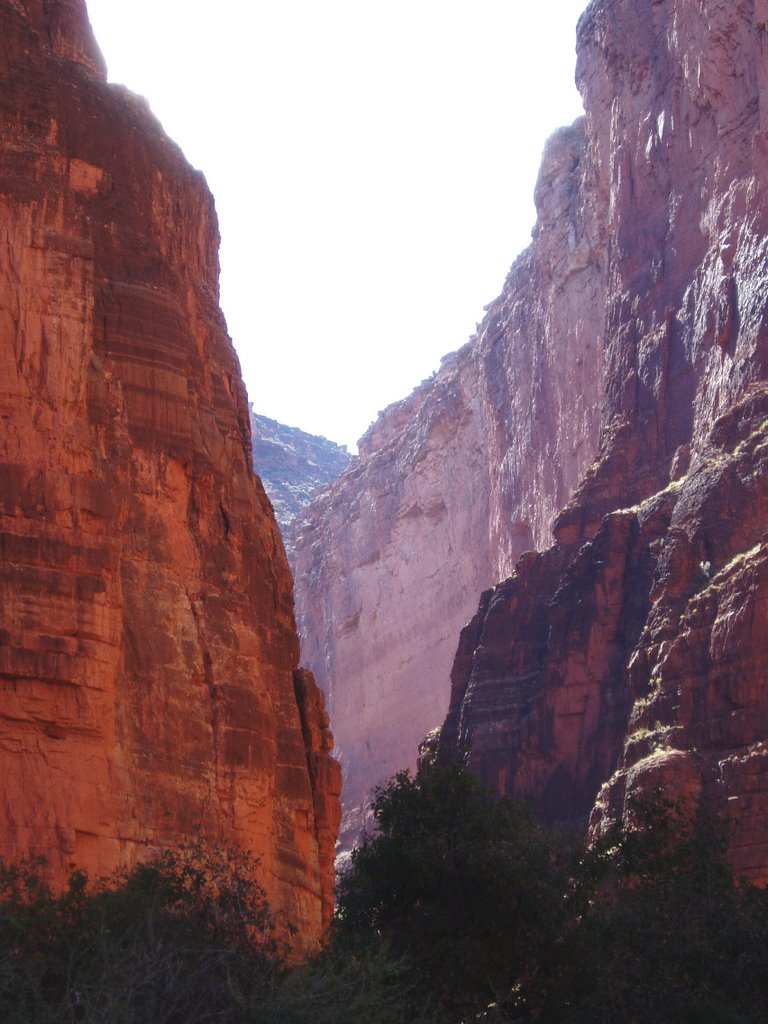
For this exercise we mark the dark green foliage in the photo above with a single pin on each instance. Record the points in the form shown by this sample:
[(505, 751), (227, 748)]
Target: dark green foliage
[(460, 909), (495, 912), (366, 986), (466, 886), (669, 935), (186, 939)]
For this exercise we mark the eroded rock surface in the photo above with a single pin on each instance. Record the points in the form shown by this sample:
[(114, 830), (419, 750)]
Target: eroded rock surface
[(293, 464), (147, 641), (452, 485), (629, 339), (633, 652)]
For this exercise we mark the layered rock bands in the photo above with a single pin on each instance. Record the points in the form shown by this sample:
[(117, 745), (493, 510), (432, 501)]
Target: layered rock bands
[(148, 655), (621, 375), (632, 654), (450, 487)]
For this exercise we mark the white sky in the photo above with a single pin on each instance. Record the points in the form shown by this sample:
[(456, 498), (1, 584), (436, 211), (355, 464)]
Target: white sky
[(373, 166)]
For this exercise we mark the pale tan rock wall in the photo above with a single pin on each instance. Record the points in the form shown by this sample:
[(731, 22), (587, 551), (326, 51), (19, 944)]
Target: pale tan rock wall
[(452, 484)]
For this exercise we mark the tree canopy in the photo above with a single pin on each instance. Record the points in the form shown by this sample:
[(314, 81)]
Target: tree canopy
[(508, 921), (458, 908)]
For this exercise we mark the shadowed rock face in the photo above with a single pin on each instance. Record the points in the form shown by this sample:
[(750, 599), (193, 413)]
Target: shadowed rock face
[(147, 642), (633, 652), (292, 464)]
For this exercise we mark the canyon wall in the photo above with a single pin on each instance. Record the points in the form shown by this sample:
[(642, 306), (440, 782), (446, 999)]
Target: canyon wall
[(451, 485), (633, 652), (292, 464), (619, 378), (148, 656)]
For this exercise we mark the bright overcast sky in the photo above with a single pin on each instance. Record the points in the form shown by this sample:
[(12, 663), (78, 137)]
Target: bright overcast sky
[(373, 166)]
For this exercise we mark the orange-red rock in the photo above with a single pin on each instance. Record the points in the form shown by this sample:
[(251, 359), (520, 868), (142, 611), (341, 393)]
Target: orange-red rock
[(147, 641)]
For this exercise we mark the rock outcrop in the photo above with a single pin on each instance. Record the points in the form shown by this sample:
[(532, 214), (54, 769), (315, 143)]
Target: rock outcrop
[(621, 374), (451, 486), (633, 652), (292, 464), (147, 639)]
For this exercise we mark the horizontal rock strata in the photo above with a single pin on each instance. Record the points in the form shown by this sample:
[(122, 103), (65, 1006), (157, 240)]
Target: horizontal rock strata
[(621, 375), (451, 485), (632, 653), (147, 640)]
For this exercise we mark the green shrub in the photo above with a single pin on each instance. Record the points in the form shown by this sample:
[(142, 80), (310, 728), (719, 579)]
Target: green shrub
[(506, 922), (459, 909), (466, 886), (669, 935), (369, 985), (184, 939)]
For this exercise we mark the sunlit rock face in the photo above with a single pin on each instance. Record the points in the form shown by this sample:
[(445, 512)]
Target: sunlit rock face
[(452, 485), (147, 641), (619, 377), (633, 652)]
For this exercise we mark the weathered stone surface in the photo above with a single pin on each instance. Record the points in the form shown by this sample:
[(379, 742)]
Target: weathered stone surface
[(634, 651), (325, 776), (451, 486), (147, 642), (293, 465), (64, 27), (632, 332), (699, 719)]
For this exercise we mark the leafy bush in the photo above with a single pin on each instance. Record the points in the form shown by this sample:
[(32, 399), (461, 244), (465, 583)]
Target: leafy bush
[(669, 935), (465, 885), (369, 985), (459, 909), (185, 939), (507, 922)]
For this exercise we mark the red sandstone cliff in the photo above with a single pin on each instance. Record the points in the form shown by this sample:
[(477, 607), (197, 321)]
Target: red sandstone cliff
[(147, 642), (634, 651), (633, 333)]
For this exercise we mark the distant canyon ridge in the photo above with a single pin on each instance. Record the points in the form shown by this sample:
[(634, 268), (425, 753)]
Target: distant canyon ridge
[(293, 464)]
